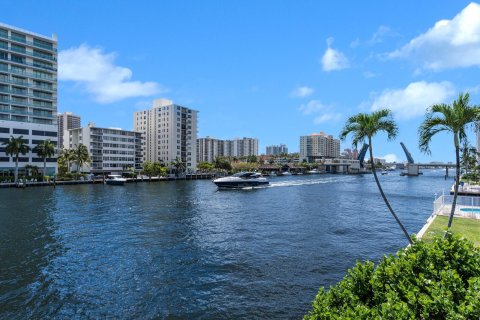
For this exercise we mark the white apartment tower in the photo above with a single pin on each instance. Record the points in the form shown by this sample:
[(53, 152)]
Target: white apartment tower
[(67, 121), (170, 133), (112, 150), (208, 149), (318, 146), (28, 94), (276, 150)]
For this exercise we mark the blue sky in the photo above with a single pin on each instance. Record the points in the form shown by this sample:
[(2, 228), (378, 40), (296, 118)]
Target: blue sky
[(273, 70)]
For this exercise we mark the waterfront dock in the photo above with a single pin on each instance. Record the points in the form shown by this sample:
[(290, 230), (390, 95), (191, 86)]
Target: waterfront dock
[(51, 183)]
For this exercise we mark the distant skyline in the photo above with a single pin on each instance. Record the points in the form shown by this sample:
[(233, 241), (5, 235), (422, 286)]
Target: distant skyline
[(269, 70)]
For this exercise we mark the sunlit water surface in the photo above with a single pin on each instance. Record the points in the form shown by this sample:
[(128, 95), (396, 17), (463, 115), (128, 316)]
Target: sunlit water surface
[(185, 250)]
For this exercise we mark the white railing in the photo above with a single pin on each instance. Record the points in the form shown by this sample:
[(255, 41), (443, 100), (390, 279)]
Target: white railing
[(443, 204)]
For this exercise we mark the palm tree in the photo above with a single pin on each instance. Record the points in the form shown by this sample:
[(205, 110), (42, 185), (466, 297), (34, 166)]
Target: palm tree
[(45, 149), (80, 156), (363, 127), (14, 147), (454, 118)]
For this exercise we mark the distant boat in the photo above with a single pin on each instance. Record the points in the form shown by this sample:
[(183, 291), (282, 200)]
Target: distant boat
[(285, 173), (241, 180), (384, 172), (314, 171), (115, 180)]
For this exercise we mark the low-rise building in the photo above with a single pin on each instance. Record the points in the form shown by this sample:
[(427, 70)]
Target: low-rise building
[(110, 149)]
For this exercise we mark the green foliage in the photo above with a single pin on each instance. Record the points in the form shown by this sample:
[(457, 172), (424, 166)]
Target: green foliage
[(151, 169), (206, 166), (435, 280), (14, 147), (222, 164)]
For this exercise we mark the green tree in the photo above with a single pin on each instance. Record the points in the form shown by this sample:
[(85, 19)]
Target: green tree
[(179, 166), (14, 147), (44, 150), (206, 166), (468, 158), (222, 164), (80, 156), (363, 127), (428, 280), (456, 119)]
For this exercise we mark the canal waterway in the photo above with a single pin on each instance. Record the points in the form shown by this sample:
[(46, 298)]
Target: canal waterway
[(186, 250)]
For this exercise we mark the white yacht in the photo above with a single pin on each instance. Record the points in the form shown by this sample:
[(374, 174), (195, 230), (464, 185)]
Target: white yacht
[(241, 180), (115, 180), (314, 171)]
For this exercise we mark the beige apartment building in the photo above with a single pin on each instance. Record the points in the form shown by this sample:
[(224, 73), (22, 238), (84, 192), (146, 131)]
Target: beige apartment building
[(170, 133), (67, 121), (318, 146)]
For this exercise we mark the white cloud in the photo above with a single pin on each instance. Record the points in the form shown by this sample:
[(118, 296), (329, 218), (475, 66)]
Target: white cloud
[(389, 158), (380, 34), (327, 117), (302, 92), (369, 74), (97, 73), (413, 100), (355, 43), (313, 106), (448, 44), (323, 113), (333, 59)]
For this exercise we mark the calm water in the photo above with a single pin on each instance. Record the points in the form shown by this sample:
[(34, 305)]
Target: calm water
[(185, 250)]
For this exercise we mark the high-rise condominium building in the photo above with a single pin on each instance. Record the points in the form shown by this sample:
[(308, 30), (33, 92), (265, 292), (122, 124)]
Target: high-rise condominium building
[(209, 148), (170, 133), (319, 145), (67, 121), (110, 149), (28, 94), (277, 150)]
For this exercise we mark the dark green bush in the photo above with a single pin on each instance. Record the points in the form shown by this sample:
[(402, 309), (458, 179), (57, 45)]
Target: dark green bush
[(436, 280)]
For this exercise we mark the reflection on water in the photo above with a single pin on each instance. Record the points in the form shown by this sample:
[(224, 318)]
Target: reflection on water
[(184, 249)]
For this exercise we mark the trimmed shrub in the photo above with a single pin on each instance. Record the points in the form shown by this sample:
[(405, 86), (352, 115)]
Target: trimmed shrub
[(435, 280)]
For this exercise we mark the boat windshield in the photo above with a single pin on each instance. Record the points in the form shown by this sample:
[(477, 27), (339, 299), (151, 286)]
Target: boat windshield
[(246, 175)]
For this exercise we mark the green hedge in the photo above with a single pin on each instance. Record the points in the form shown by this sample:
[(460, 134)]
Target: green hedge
[(436, 280)]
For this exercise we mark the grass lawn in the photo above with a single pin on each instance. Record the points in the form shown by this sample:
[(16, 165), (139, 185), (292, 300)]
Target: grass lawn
[(467, 228)]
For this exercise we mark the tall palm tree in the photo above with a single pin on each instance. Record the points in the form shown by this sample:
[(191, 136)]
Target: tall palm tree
[(363, 127), (455, 118), (80, 156), (15, 147), (45, 149)]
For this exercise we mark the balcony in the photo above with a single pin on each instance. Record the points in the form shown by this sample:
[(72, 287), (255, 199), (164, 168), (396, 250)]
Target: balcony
[(28, 74), (30, 43)]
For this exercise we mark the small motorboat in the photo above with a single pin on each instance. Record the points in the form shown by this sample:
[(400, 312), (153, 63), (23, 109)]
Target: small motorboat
[(314, 171), (115, 180), (384, 172), (241, 180)]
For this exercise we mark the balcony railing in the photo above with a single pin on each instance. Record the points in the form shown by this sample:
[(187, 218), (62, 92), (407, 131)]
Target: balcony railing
[(30, 43)]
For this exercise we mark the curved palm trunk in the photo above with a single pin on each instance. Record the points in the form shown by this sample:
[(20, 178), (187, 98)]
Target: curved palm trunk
[(16, 168), (44, 168), (383, 194), (457, 182)]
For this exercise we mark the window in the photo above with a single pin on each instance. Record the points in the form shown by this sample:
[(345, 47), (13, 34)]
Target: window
[(20, 131), (4, 130)]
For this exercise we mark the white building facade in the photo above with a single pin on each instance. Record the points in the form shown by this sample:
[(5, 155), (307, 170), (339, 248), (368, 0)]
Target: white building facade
[(67, 121), (170, 133), (111, 150), (208, 149), (319, 146), (28, 94)]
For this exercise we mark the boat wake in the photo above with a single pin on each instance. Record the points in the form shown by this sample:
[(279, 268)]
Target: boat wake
[(305, 182)]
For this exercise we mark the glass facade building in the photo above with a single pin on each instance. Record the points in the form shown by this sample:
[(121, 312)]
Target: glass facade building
[(28, 93)]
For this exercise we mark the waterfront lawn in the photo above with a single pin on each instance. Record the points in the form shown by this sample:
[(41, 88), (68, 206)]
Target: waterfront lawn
[(467, 228)]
